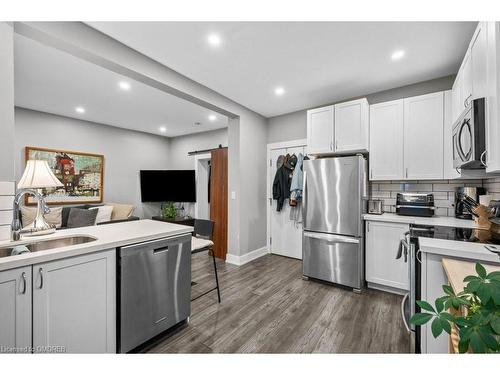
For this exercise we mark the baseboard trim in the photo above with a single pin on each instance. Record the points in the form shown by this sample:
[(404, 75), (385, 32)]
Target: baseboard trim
[(386, 288), (246, 258)]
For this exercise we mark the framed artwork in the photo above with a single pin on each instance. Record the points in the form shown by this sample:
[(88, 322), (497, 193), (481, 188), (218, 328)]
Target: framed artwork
[(80, 173)]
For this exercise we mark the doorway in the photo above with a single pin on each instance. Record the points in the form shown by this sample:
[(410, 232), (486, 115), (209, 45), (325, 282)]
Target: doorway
[(284, 235), (202, 173)]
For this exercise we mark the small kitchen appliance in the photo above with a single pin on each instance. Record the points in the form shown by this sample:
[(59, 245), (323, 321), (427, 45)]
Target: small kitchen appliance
[(375, 206), (461, 210), (415, 204), (469, 145)]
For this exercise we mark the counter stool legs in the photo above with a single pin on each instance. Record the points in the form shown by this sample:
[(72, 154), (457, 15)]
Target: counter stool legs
[(216, 276)]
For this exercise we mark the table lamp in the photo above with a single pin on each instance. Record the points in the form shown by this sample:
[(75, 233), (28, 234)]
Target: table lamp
[(37, 176)]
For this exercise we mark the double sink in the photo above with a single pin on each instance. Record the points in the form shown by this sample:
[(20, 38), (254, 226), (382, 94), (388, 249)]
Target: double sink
[(49, 244)]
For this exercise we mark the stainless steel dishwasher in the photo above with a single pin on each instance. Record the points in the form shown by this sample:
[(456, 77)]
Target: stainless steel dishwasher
[(154, 289)]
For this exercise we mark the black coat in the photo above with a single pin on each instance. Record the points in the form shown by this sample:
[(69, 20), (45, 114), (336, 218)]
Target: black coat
[(281, 185)]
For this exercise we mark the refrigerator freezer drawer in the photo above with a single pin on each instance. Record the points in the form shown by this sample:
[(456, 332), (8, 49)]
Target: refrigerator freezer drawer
[(333, 258)]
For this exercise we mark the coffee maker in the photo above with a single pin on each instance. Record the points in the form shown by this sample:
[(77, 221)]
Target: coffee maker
[(461, 212)]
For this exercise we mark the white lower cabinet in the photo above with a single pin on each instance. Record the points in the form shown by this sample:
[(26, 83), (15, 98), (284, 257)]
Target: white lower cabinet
[(382, 267), (74, 304), (15, 310)]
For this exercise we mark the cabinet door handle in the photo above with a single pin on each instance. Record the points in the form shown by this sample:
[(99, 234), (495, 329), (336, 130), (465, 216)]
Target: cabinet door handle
[(40, 272), (406, 173), (483, 162), (23, 280), (367, 226), (336, 145), (371, 174)]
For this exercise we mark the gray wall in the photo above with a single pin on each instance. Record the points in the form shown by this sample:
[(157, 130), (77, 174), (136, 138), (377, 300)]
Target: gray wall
[(6, 102), (293, 125), (180, 146), (125, 151)]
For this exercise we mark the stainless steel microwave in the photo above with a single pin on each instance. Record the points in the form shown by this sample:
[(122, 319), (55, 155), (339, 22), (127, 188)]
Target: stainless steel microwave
[(469, 144)]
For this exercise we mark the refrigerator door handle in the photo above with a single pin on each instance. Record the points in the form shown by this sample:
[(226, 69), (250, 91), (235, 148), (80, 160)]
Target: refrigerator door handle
[(331, 237)]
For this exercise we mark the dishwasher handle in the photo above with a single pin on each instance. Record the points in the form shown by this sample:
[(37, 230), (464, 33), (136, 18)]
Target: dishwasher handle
[(160, 250)]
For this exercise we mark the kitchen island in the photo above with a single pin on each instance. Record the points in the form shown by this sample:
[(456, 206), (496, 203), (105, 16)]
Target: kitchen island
[(432, 251), (65, 299)]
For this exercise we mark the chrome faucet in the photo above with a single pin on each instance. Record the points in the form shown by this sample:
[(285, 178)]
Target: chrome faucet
[(39, 225)]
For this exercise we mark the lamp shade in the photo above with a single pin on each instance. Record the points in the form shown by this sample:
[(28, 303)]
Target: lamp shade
[(38, 175)]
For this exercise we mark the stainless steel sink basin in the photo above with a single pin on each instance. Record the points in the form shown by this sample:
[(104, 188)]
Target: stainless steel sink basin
[(47, 244)]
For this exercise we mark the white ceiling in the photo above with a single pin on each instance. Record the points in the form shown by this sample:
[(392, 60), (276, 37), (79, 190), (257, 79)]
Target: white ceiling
[(317, 62), (53, 81)]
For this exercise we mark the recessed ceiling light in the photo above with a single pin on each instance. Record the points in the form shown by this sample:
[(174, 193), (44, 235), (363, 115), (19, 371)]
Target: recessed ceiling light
[(125, 86), (214, 40), (80, 110), (212, 117), (279, 91), (396, 55), (162, 129)]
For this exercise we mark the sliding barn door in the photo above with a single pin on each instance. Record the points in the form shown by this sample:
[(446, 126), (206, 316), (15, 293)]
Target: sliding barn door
[(218, 200)]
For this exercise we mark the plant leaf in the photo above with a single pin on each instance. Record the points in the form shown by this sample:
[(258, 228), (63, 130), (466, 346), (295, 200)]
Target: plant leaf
[(476, 343), (426, 306), (448, 290), (488, 339), (420, 318), (495, 275), (436, 327), (439, 304), (463, 346), (481, 271), (495, 324), (471, 278), (445, 325)]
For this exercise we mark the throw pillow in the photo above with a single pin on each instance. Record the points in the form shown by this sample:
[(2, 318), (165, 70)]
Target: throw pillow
[(121, 211), (80, 217), (103, 213), (54, 217)]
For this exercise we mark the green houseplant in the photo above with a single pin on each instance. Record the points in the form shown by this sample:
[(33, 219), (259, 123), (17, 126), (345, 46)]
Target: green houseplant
[(479, 329), (168, 210)]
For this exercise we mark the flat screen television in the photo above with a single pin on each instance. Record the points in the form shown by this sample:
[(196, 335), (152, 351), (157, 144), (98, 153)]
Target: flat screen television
[(168, 186)]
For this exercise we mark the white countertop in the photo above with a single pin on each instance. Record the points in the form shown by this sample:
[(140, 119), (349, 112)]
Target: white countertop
[(108, 236), (446, 221), (458, 249)]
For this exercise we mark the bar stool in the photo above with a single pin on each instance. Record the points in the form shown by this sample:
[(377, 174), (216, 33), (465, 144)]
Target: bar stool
[(202, 241)]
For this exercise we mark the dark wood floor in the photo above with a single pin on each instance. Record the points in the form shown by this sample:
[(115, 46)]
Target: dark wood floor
[(268, 308)]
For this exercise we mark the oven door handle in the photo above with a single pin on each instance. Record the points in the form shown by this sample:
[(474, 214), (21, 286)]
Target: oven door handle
[(405, 298)]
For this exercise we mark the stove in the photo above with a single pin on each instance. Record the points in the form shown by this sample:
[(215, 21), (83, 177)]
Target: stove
[(454, 234)]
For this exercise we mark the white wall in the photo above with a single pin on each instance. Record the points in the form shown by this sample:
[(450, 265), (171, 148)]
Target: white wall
[(180, 146), (125, 152), (293, 125)]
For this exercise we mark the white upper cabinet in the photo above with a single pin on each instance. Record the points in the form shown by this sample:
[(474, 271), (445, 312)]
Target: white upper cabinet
[(351, 126), (466, 79), (478, 58), (15, 308), (449, 172), (493, 98), (386, 141), (320, 128), (423, 137)]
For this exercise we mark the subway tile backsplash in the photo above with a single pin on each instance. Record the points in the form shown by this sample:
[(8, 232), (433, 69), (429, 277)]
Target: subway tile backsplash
[(443, 190)]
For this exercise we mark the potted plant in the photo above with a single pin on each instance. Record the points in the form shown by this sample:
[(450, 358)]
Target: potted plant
[(479, 325), (168, 211)]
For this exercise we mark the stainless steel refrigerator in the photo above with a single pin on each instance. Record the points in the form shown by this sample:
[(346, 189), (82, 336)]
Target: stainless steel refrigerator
[(334, 199)]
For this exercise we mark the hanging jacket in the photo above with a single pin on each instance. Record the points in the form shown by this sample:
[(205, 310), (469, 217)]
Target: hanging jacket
[(297, 181), (282, 181)]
